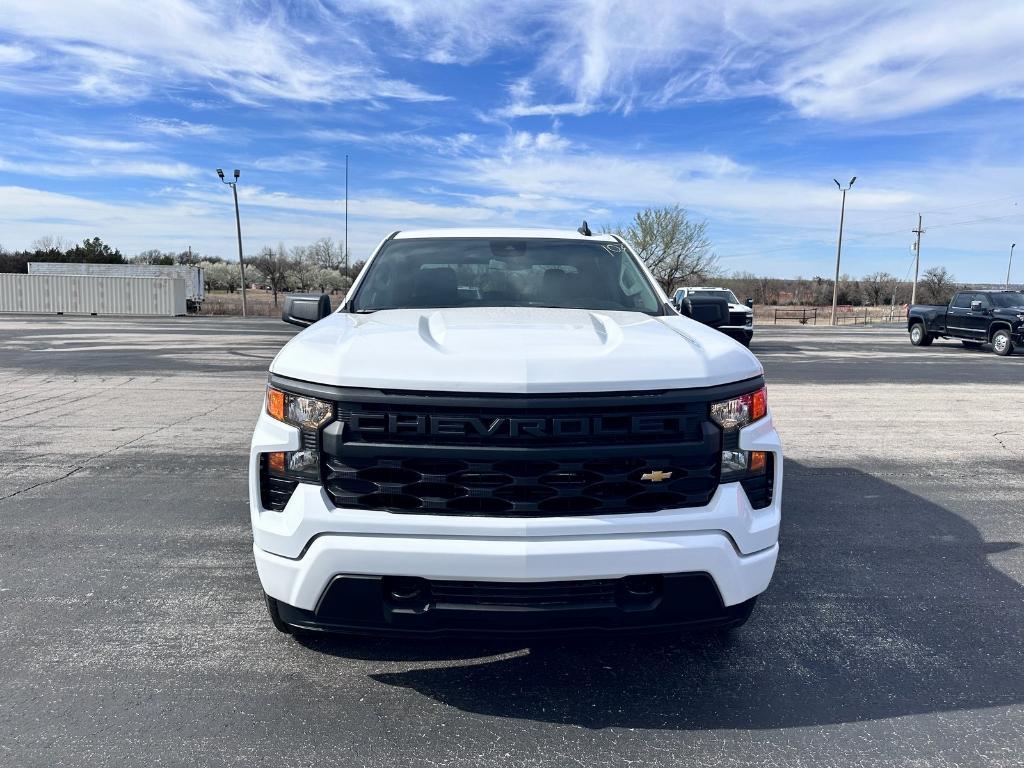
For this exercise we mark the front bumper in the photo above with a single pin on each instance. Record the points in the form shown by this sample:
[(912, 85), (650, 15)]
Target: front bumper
[(301, 551), (417, 607), (738, 331)]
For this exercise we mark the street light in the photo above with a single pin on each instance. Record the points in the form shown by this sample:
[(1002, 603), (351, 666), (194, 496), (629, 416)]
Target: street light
[(238, 226), (839, 249), (1010, 264)]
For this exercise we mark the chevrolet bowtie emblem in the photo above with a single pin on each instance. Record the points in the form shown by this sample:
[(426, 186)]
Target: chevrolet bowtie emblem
[(656, 476)]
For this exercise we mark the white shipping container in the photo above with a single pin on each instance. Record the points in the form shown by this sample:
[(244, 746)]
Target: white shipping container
[(83, 295), (195, 287)]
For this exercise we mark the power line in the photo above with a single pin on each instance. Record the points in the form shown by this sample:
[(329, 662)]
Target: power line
[(976, 221), (974, 205)]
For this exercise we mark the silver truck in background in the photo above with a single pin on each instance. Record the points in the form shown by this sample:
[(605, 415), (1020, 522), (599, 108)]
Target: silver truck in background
[(195, 287)]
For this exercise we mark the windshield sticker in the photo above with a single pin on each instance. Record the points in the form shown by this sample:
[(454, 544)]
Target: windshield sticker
[(613, 248)]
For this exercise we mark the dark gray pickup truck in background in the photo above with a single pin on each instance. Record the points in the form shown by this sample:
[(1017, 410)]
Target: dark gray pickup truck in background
[(975, 317)]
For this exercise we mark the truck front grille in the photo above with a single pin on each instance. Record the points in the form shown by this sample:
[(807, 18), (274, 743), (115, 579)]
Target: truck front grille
[(573, 485), (737, 318), (521, 455)]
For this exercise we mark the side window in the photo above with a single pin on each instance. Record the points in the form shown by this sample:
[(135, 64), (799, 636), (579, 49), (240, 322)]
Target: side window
[(984, 299), (963, 300)]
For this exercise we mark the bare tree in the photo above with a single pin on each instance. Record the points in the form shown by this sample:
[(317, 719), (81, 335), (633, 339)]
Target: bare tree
[(936, 286), (878, 287), (275, 266), (324, 253), (675, 249), (51, 243)]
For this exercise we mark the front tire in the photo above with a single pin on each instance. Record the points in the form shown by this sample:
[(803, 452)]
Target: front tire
[(1002, 343), (918, 336)]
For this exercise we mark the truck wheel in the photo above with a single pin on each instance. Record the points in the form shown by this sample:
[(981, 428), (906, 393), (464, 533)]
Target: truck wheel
[(275, 615), (918, 337), (1002, 344), (971, 344)]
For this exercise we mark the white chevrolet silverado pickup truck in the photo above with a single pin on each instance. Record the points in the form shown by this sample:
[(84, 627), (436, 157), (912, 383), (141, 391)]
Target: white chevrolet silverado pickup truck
[(511, 431)]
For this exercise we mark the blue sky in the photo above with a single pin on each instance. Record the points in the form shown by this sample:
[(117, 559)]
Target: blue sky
[(476, 113)]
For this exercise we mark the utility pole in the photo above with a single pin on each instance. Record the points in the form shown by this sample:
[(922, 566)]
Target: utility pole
[(1010, 264), (917, 259), (839, 248), (238, 226), (346, 216)]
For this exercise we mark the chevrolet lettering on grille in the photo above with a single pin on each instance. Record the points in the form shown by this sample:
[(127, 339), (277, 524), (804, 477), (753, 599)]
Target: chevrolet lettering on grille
[(515, 427)]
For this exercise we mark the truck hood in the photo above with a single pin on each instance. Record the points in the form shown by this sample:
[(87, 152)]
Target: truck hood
[(513, 350)]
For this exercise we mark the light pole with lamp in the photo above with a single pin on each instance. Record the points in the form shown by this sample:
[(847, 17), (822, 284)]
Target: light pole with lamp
[(839, 249), (1009, 264), (238, 227)]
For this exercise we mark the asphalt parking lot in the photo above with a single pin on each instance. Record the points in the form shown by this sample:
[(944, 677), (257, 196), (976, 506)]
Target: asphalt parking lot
[(133, 630)]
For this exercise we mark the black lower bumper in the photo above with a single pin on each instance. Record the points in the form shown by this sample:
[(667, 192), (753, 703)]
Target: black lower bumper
[(740, 334), (376, 605)]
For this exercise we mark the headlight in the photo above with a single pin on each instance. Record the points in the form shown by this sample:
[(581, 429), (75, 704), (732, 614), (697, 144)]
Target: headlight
[(740, 411), (298, 410), (282, 471), (731, 416)]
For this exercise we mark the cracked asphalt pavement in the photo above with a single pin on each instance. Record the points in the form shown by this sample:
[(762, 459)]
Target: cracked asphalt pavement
[(134, 633)]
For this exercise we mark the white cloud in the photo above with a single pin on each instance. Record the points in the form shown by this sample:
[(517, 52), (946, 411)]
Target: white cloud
[(15, 54), (414, 139), (847, 60), (100, 168), (524, 141), (205, 220), (461, 32), (121, 50), (290, 163), (175, 127), (901, 64), (100, 145)]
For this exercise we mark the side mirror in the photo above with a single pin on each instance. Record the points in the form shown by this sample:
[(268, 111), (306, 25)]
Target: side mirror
[(709, 310), (749, 303), (306, 310), (975, 306)]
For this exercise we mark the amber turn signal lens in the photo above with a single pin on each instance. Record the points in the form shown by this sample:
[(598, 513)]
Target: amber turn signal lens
[(275, 462), (275, 406), (758, 460), (760, 405)]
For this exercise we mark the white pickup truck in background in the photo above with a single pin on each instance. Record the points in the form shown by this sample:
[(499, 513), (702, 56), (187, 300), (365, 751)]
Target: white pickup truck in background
[(740, 324)]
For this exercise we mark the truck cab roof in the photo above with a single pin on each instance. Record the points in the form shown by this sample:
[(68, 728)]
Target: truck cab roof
[(493, 232)]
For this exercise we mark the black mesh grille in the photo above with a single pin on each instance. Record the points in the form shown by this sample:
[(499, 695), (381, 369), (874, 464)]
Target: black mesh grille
[(573, 485), (594, 593), (759, 489), (274, 491), (737, 318)]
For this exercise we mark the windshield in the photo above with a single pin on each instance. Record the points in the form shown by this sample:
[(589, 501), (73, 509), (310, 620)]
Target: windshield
[(721, 293), (471, 272), (1007, 299)]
